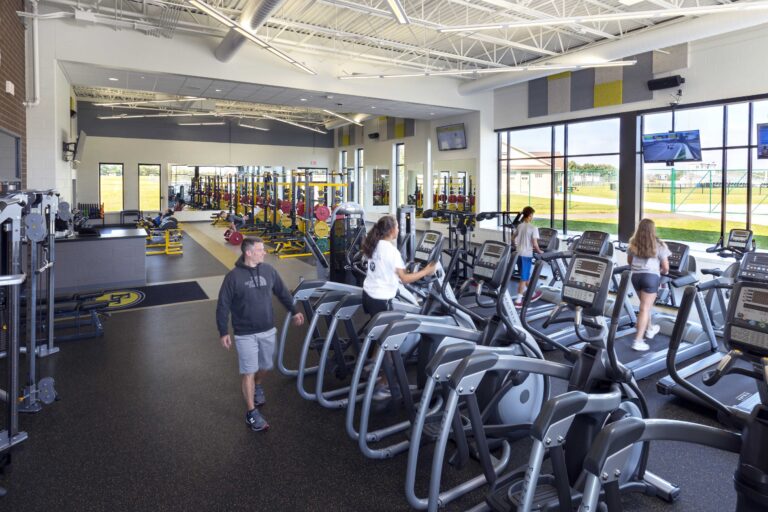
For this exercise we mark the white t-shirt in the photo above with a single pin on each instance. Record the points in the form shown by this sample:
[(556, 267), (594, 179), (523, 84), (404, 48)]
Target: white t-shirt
[(381, 281), (526, 233), (649, 265)]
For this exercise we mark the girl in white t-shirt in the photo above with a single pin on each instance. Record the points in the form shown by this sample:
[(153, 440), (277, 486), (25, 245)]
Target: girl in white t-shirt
[(386, 270), (385, 267), (648, 258)]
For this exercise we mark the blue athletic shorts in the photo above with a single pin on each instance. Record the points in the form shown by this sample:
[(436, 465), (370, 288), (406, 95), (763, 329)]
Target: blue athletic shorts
[(525, 263), (645, 282)]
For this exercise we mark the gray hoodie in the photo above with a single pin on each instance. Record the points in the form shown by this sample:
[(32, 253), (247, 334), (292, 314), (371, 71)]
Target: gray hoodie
[(246, 293)]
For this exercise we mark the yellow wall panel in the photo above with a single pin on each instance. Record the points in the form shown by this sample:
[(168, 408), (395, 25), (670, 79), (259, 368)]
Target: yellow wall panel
[(608, 93)]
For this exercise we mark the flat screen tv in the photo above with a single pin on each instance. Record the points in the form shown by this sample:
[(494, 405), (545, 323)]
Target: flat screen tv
[(671, 147), (762, 140), (451, 137)]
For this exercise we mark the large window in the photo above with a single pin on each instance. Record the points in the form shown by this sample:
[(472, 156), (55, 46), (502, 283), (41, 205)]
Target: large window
[(728, 188), (111, 187), (573, 186), (400, 173), (9, 156), (149, 188), (358, 176)]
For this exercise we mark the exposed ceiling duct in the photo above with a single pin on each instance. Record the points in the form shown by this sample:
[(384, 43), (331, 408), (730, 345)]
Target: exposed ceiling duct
[(253, 16), (669, 34)]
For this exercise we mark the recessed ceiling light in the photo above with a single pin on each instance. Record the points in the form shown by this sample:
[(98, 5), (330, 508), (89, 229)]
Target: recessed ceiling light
[(302, 99), (218, 90), (113, 79), (143, 77), (372, 106), (431, 113)]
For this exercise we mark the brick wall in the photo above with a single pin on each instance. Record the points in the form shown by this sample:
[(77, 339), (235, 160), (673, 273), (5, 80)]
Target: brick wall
[(13, 116)]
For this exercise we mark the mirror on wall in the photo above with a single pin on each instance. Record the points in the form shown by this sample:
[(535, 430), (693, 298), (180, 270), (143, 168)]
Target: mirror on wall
[(454, 185), (381, 184), (413, 185)]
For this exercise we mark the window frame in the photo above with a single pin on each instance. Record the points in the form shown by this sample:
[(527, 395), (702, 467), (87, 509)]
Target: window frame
[(138, 181), (122, 174)]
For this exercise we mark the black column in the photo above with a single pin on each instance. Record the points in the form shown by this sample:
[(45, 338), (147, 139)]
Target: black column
[(630, 177)]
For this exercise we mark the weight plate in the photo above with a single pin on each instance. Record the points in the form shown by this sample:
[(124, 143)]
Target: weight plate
[(236, 238), (322, 230), (35, 227), (322, 212), (300, 208), (64, 213), (285, 207), (46, 391), (285, 220)]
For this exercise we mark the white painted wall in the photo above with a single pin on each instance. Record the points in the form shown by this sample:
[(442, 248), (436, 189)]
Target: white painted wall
[(48, 126), (719, 68), (132, 152)]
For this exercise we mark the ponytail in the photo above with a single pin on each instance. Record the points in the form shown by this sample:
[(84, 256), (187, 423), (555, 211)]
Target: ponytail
[(381, 229)]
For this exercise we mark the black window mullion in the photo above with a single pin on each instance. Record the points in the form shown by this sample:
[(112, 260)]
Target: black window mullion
[(750, 117), (724, 175), (552, 179)]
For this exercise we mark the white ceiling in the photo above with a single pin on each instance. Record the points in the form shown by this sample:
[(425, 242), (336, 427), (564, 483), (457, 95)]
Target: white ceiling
[(87, 76)]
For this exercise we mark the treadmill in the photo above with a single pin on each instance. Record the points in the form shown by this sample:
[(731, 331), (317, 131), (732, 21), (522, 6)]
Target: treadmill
[(697, 339), (736, 390)]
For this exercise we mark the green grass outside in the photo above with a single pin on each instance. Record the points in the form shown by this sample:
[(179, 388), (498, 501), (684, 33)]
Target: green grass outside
[(149, 193), (111, 192)]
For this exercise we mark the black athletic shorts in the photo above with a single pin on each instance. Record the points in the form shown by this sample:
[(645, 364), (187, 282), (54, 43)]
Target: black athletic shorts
[(648, 283), (373, 306)]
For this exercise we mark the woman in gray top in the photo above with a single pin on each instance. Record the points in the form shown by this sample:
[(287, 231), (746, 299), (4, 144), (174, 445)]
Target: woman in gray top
[(648, 257)]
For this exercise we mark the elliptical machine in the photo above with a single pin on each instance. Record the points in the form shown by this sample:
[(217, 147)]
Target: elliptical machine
[(747, 335)]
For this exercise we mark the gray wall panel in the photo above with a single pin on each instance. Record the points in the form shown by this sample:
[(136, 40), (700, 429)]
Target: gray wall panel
[(635, 83), (583, 89), (538, 100)]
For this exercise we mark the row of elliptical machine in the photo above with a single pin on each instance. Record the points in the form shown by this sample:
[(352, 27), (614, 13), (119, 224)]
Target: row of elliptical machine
[(600, 391), (491, 271), (746, 336)]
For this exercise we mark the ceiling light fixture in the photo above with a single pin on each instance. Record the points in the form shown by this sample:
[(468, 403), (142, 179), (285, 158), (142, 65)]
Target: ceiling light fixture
[(213, 123), (145, 102), (302, 99), (253, 127), (169, 114), (294, 124), (487, 71), (399, 11), (342, 117), (113, 79), (218, 16), (619, 16)]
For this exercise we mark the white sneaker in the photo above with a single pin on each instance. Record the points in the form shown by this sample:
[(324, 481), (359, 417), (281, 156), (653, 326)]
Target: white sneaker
[(651, 331), (640, 346)]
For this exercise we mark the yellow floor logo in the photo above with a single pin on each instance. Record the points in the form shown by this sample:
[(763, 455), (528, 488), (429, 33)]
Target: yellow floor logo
[(120, 299)]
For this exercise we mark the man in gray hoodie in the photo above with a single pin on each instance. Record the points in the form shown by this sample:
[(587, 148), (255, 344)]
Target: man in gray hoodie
[(246, 294)]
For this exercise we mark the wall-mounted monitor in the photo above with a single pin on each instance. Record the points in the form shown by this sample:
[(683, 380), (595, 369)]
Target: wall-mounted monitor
[(762, 140), (671, 147), (451, 137), (79, 148)]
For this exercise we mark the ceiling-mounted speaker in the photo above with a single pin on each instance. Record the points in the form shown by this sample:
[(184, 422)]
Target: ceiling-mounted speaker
[(374, 135), (667, 82)]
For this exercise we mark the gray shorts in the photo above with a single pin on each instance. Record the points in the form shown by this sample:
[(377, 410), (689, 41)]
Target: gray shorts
[(255, 351)]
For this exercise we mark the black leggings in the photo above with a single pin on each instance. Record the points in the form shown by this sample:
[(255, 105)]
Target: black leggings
[(373, 306)]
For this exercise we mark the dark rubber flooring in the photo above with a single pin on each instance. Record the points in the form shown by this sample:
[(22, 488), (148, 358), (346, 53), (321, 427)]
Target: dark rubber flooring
[(151, 419), (195, 262)]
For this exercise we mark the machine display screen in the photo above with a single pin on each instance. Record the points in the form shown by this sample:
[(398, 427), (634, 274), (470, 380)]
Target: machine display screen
[(587, 272), (738, 238), (427, 245), (753, 306), (493, 252)]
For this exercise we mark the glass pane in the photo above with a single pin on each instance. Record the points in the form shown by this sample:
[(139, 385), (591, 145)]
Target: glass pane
[(657, 123), (559, 140), (736, 189), (111, 187), (684, 200), (503, 144), (738, 121), (149, 189), (593, 193), (504, 187), (708, 120), (760, 200), (400, 166), (530, 185), (593, 137), (533, 141), (381, 187)]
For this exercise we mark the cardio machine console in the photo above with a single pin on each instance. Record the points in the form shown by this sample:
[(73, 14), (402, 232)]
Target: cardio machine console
[(754, 267), (429, 248), (587, 282), (739, 239), (491, 262), (746, 326), (593, 242), (548, 240), (678, 257)]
